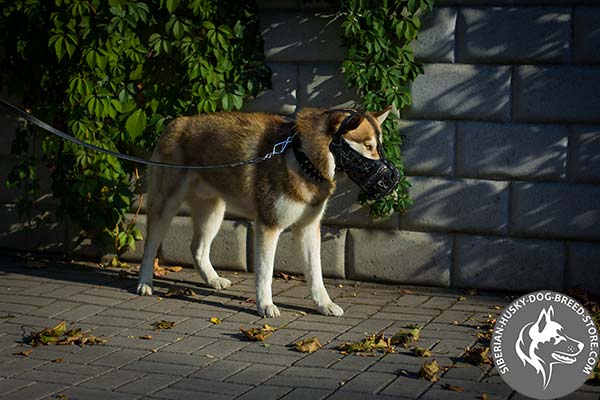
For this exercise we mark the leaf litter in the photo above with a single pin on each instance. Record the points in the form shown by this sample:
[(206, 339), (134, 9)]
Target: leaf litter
[(258, 334), (59, 335), (162, 325), (376, 342), (308, 345), (430, 371), (180, 292)]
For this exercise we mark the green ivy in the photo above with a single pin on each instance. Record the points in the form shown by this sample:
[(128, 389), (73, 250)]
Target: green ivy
[(380, 64), (114, 73)]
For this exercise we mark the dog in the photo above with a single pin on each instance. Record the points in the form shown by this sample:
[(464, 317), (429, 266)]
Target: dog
[(543, 344), (288, 190)]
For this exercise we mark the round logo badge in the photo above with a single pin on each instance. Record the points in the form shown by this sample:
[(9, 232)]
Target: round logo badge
[(545, 345)]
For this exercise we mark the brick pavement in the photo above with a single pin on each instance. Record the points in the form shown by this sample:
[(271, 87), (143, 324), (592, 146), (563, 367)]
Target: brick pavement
[(197, 359)]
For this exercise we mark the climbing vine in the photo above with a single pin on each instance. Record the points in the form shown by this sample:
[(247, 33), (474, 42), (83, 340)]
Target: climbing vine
[(114, 73), (380, 64)]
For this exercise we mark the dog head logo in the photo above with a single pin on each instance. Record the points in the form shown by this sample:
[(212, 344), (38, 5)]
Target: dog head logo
[(544, 343)]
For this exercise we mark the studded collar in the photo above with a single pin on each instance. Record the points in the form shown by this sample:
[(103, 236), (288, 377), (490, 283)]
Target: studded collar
[(305, 164)]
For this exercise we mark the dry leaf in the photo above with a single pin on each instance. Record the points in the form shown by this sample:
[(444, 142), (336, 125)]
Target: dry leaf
[(256, 334), (462, 298), (7, 316), (497, 308), (24, 353), (407, 291), (146, 337), (404, 338), (158, 271), (283, 275), (453, 388), (176, 268), (215, 320), (484, 396), (250, 300), (454, 322), (163, 325), (367, 345), (430, 371), (62, 396), (58, 360), (477, 355), (308, 345), (421, 352), (48, 335)]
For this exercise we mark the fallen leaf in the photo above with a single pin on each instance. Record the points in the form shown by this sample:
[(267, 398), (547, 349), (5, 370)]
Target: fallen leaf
[(477, 355), (179, 292), (453, 388), (163, 325), (497, 308), (404, 338), (283, 276), (24, 353), (258, 334), (250, 300), (176, 268), (462, 298), (430, 371), (421, 352), (62, 396), (48, 335), (340, 286), (146, 337), (454, 322), (215, 320), (58, 360), (7, 316), (308, 345), (407, 291), (367, 345), (484, 396), (158, 271)]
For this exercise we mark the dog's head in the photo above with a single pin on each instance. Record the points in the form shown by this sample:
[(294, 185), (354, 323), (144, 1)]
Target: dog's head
[(544, 343)]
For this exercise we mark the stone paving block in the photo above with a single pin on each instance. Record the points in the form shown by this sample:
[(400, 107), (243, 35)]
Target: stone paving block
[(280, 359), (37, 390), (555, 210), (83, 393), (541, 94), (407, 257), (498, 151), (177, 394), (353, 363), (206, 386), (301, 37), (112, 379), (120, 358), (20, 365), (405, 386), (368, 382), (12, 384), (265, 393), (177, 358), (435, 42), (476, 387), (428, 147), (220, 370), (97, 300), (583, 266), (254, 375), (450, 91), (457, 204), (289, 257), (189, 344), (321, 359), (467, 372), (302, 381), (55, 308), (228, 250), (162, 368), (495, 35), (323, 85), (89, 354), (306, 393), (584, 158), (509, 264), (281, 98), (39, 290), (586, 35)]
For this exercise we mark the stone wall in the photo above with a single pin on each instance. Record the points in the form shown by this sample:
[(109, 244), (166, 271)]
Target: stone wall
[(502, 149)]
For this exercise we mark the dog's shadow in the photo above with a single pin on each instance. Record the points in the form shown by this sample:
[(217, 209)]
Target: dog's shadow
[(126, 280)]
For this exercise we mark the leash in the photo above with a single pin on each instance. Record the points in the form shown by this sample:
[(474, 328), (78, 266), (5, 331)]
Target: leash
[(278, 148)]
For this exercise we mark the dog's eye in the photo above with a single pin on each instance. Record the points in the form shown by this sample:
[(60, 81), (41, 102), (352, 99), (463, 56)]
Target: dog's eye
[(369, 146)]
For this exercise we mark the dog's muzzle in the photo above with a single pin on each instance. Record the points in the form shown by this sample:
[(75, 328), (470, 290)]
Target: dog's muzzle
[(377, 178)]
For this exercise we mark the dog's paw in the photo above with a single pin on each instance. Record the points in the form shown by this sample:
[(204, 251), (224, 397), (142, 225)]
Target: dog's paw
[(143, 289), (331, 309), (269, 311), (219, 283)]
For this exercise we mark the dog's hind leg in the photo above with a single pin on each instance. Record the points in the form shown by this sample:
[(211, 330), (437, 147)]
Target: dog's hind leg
[(264, 256), (207, 216), (309, 237), (166, 194)]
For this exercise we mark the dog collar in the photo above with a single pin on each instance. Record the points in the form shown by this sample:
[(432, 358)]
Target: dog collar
[(305, 164)]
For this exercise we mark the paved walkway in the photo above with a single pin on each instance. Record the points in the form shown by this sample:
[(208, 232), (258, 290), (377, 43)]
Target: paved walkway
[(197, 359)]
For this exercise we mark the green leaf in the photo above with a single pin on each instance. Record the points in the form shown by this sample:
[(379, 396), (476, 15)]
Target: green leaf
[(136, 123)]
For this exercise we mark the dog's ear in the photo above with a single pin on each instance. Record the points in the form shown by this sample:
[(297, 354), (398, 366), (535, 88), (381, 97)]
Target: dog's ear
[(344, 123), (544, 318), (382, 115)]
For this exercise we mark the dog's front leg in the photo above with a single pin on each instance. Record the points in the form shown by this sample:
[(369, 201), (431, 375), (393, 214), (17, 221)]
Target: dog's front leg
[(264, 256), (310, 242)]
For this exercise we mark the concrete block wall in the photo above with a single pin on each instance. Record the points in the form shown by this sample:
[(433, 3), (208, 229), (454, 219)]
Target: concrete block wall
[(502, 150)]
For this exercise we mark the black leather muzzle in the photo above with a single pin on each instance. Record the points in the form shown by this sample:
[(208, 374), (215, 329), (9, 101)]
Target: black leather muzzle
[(376, 178)]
